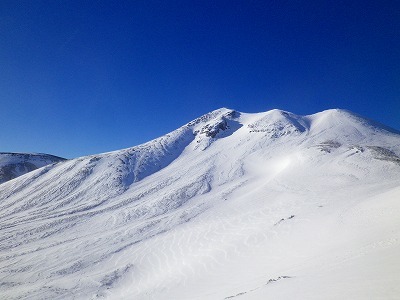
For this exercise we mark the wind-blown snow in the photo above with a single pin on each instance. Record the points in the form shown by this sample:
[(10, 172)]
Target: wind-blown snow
[(229, 206)]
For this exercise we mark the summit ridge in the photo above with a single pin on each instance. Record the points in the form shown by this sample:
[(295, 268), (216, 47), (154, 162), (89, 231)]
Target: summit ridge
[(232, 204)]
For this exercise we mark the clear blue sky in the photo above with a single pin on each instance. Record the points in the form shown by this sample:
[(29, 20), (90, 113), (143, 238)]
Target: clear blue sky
[(85, 77)]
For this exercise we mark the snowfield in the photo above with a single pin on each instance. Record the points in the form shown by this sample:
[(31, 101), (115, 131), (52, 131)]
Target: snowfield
[(232, 205)]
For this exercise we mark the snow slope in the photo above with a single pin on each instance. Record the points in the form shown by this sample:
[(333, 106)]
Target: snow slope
[(13, 165), (232, 205)]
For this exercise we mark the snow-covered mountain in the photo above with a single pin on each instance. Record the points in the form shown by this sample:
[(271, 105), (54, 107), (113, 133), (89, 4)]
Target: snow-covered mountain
[(232, 205), (13, 165)]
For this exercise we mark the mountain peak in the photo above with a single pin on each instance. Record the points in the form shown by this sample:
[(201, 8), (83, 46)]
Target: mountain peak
[(344, 117), (228, 195), (215, 114)]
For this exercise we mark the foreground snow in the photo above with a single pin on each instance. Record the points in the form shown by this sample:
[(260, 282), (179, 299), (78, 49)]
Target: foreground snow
[(230, 206)]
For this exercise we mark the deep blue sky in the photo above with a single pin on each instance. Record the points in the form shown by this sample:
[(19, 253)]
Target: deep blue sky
[(84, 77)]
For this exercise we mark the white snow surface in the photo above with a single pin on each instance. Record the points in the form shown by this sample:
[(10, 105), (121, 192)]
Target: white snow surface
[(232, 205)]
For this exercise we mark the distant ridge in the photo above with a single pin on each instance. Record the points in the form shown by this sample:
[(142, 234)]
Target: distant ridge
[(13, 164)]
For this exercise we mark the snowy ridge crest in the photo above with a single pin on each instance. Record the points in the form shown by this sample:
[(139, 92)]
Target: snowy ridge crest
[(277, 123), (215, 125), (227, 205)]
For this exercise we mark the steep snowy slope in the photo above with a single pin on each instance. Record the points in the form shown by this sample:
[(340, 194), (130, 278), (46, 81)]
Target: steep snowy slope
[(230, 206), (13, 165)]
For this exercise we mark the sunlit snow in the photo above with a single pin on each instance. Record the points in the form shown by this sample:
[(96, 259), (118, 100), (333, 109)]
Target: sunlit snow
[(229, 206)]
